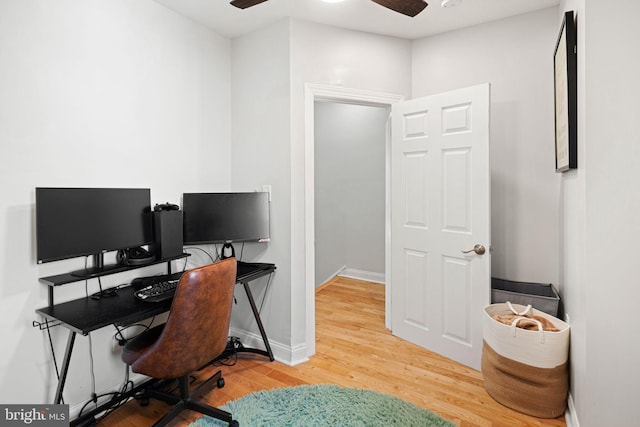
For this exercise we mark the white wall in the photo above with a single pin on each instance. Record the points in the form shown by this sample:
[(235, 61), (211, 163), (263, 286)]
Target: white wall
[(260, 156), (270, 68), (573, 231), (350, 151), (327, 55), (107, 93), (608, 348), (515, 56)]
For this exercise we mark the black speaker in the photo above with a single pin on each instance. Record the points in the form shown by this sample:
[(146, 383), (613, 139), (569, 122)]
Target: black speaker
[(167, 226)]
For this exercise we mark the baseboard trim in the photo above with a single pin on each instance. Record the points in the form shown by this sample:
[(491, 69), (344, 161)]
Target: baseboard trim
[(367, 276), (331, 277), (570, 415), (282, 353)]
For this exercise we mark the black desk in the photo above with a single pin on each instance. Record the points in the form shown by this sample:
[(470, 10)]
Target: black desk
[(85, 315)]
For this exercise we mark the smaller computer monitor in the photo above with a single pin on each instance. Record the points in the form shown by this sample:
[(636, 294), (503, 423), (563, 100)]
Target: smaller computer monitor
[(225, 217)]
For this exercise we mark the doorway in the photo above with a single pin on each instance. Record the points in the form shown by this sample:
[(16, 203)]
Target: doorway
[(349, 159), (314, 93)]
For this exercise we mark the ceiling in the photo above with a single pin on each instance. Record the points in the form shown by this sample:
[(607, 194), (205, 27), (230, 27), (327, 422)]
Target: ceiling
[(360, 15)]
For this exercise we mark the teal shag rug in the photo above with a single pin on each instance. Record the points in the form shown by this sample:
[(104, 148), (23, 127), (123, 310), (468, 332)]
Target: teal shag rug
[(324, 405)]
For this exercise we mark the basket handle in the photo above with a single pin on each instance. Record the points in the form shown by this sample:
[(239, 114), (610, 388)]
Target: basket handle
[(524, 313), (518, 319)]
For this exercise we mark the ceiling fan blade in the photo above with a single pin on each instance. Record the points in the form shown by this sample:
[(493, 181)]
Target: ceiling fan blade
[(243, 4), (406, 7)]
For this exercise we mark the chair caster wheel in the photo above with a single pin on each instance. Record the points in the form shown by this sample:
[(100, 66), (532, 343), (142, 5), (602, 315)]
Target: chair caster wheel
[(144, 401), (220, 382), (234, 423)]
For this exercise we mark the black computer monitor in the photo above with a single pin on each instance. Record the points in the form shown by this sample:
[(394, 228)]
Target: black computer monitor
[(225, 217), (74, 222)]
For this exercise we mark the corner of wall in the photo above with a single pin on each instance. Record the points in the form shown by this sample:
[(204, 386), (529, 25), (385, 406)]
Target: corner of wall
[(289, 355), (570, 415)]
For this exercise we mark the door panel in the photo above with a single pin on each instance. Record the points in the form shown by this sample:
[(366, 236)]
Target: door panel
[(456, 194), (456, 290), (440, 208), (415, 181), (416, 270)]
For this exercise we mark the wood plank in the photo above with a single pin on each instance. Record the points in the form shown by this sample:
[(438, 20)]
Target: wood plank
[(354, 350)]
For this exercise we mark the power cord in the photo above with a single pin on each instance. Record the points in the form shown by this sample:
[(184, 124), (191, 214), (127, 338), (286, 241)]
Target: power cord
[(119, 335), (128, 384), (94, 396), (114, 395), (233, 345), (202, 250)]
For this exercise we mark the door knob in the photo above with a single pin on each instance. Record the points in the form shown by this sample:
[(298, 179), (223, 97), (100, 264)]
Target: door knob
[(478, 249)]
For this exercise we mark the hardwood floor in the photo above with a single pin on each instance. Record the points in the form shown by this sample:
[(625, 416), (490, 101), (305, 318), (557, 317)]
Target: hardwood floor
[(353, 349)]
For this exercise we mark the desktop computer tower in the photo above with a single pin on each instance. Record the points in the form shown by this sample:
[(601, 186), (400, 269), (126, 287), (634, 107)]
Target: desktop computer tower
[(167, 227)]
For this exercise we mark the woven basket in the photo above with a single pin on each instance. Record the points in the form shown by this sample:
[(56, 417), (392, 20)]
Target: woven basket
[(526, 370)]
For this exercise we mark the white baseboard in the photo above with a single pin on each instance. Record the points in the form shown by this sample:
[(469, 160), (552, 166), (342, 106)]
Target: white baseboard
[(332, 276), (282, 353), (367, 276), (570, 415)]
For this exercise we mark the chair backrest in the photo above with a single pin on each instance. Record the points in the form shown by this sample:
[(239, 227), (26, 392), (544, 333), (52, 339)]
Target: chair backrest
[(197, 329)]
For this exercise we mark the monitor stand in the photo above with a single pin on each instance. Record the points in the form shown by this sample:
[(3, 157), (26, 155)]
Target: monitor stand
[(98, 268)]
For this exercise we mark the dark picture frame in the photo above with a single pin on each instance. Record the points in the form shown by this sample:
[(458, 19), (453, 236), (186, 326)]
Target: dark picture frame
[(565, 96)]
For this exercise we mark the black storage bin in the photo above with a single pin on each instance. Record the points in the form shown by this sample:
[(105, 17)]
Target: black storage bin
[(542, 296)]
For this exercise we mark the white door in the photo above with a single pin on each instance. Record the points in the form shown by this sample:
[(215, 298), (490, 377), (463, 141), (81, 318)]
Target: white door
[(440, 207)]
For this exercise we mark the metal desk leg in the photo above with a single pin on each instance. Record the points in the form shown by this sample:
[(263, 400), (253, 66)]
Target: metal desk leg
[(65, 367), (256, 314)]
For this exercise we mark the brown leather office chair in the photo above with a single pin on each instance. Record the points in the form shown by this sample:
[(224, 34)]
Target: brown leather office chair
[(195, 333)]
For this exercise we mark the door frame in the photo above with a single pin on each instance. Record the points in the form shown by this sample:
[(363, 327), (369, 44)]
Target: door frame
[(318, 92)]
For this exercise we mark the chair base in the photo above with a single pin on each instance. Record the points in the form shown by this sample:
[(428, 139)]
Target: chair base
[(186, 402)]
